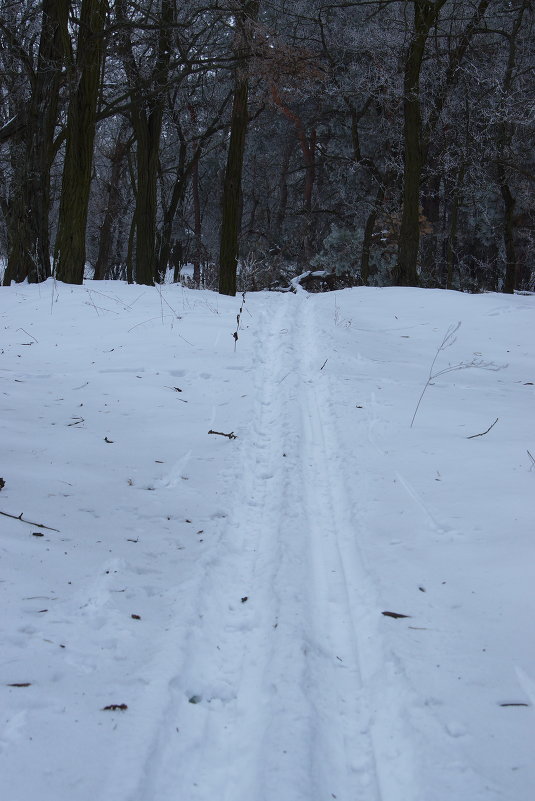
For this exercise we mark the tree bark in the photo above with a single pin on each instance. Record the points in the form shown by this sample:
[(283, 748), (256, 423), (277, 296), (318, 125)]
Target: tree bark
[(405, 272), (197, 224), (308, 149), (81, 124), (177, 199), (147, 130), (102, 265), (28, 213), (417, 136), (505, 134), (231, 211), (452, 233), (282, 204), (369, 228), (146, 115)]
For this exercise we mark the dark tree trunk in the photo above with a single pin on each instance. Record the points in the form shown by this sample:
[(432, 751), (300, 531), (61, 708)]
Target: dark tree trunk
[(28, 214), (111, 215), (369, 228), (197, 223), (416, 136), (453, 224), (282, 204), (130, 251), (147, 131), (308, 149), (406, 271), (177, 198), (16, 212), (81, 124), (147, 119), (231, 216), (505, 135), (231, 211), (511, 268), (431, 207)]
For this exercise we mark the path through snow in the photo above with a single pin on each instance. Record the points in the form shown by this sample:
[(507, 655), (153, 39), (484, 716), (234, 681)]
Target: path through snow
[(270, 693)]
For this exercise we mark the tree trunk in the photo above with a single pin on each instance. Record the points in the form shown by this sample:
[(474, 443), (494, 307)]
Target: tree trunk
[(148, 141), (308, 149), (231, 211), (81, 124), (505, 134), (28, 215), (197, 224), (452, 234), (369, 228), (406, 271), (102, 265), (19, 261), (165, 256), (509, 284), (130, 251), (147, 120), (416, 136), (282, 204)]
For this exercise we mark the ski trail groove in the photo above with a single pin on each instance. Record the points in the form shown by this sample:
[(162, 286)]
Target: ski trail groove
[(270, 700), (215, 752), (337, 670)]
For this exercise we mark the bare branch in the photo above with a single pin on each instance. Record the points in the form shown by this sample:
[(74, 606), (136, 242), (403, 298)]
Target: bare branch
[(484, 432), (28, 522)]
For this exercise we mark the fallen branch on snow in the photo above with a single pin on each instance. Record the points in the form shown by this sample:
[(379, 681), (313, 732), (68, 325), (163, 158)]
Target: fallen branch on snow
[(28, 522), (232, 435), (484, 432)]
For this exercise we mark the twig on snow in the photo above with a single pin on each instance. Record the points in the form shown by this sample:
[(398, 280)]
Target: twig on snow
[(484, 432), (27, 332), (532, 459), (28, 522), (232, 435)]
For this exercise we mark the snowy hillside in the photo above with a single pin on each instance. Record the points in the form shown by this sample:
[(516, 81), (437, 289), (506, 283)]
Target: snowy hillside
[(211, 533)]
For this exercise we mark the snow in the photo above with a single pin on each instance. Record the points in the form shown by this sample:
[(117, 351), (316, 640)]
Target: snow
[(230, 592)]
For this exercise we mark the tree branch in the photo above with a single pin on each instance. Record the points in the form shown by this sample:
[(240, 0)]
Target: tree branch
[(28, 522)]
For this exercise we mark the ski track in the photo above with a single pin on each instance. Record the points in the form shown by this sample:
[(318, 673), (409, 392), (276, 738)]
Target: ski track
[(271, 698), (275, 697)]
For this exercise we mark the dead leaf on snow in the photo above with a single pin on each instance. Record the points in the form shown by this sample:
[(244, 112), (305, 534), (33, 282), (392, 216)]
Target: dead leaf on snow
[(394, 614)]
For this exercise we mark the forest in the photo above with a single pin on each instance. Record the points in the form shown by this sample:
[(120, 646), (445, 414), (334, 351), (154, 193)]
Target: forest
[(377, 142)]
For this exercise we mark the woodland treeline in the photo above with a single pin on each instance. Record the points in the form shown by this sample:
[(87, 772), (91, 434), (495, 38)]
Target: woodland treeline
[(388, 142)]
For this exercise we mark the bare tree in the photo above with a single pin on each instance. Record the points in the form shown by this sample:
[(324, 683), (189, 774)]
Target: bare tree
[(246, 15), (85, 76), (31, 130)]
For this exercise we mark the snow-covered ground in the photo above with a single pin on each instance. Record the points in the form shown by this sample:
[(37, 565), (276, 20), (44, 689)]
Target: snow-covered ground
[(226, 597)]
